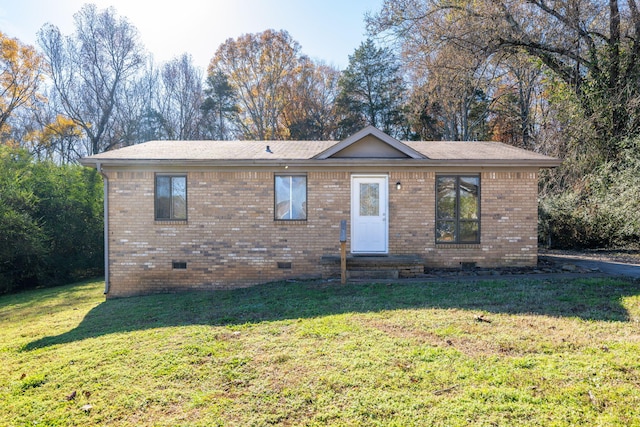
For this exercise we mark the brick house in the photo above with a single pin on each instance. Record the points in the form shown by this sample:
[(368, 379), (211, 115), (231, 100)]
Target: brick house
[(224, 214)]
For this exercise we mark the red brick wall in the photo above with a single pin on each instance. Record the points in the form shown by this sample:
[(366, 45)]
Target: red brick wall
[(231, 239)]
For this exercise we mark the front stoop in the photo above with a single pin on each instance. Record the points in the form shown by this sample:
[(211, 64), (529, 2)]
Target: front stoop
[(374, 267)]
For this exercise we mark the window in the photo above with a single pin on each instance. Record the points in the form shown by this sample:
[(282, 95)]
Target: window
[(369, 199), (290, 197), (458, 209), (171, 197)]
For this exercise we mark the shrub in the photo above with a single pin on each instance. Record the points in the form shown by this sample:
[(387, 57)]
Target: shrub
[(603, 210), (50, 221)]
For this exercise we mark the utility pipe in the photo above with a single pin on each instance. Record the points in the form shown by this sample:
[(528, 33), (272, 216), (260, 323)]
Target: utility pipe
[(106, 225)]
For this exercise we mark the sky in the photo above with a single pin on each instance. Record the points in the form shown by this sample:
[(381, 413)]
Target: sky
[(327, 30)]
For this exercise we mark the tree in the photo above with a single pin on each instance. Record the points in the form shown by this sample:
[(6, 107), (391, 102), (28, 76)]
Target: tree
[(20, 78), (592, 46), (219, 107), (458, 85), (139, 117), (50, 221), (424, 116), (258, 67), (182, 96), (310, 110), (56, 140), (22, 238), (515, 102), (91, 69), (371, 91), (70, 211)]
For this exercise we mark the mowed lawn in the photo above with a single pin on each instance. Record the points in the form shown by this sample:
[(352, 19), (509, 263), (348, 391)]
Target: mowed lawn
[(504, 353)]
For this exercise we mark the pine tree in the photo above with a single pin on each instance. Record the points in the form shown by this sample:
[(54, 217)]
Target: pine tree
[(371, 92)]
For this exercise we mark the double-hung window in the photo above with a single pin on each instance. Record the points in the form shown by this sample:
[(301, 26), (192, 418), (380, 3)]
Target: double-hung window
[(171, 197), (290, 197), (458, 209)]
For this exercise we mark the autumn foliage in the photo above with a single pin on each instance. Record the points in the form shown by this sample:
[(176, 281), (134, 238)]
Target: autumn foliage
[(559, 78), (21, 69)]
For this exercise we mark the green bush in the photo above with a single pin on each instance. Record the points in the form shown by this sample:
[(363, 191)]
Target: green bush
[(22, 238), (603, 210), (70, 209), (50, 222)]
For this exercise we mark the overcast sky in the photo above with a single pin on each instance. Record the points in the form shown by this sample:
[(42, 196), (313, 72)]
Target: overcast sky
[(328, 30)]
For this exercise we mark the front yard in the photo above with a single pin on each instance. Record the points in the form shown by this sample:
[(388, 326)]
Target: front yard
[(314, 354)]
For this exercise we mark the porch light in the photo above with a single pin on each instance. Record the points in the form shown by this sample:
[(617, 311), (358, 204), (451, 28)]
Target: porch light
[(398, 185)]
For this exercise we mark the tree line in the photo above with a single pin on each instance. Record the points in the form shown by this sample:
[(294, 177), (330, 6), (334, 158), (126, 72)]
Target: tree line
[(557, 77), (98, 89), (535, 74)]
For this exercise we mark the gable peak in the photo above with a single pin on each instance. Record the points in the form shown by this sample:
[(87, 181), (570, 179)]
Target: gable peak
[(369, 142)]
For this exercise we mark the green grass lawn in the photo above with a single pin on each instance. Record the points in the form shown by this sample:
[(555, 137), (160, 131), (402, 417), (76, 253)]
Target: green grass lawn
[(305, 353)]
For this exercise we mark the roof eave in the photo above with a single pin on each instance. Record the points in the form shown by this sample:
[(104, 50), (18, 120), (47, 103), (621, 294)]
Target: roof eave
[(331, 162)]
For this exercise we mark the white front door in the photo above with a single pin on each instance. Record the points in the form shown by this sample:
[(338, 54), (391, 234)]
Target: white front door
[(369, 228)]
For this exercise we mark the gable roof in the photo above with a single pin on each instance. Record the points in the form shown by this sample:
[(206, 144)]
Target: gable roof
[(369, 146), (362, 135)]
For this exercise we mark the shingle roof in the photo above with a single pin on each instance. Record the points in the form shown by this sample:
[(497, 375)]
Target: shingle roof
[(472, 150), (233, 152), (303, 150), (217, 150)]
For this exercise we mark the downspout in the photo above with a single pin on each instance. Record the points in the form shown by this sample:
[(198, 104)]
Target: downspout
[(106, 226)]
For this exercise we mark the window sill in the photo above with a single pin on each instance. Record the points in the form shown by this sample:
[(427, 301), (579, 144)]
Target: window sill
[(170, 222), (458, 245), (290, 221)]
